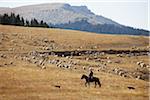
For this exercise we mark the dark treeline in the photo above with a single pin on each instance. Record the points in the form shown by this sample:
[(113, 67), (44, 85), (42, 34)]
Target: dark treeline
[(13, 19)]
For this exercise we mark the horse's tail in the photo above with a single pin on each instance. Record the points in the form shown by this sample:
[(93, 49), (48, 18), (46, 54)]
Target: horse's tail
[(99, 83)]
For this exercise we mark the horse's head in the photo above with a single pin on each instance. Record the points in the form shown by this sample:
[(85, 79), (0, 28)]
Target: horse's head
[(83, 76)]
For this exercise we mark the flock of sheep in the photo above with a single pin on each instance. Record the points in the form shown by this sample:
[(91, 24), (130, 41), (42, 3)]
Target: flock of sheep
[(68, 62)]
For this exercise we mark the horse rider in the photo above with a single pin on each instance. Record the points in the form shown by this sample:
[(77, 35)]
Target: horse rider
[(91, 73)]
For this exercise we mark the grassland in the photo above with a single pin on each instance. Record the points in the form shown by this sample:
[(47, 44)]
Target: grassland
[(25, 81)]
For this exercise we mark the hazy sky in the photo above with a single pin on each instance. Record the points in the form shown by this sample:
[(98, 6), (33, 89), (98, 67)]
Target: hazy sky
[(127, 12)]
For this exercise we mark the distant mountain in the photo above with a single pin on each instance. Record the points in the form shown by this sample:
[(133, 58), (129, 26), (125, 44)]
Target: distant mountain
[(84, 25), (63, 15)]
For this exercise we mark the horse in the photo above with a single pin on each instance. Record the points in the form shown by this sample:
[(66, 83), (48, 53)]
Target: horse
[(88, 80)]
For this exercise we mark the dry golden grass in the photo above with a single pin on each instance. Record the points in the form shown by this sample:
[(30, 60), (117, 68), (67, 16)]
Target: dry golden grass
[(69, 39), (25, 81)]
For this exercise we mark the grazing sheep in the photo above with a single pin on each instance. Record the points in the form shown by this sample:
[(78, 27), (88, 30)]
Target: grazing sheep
[(41, 62), (124, 75), (107, 57), (117, 70), (84, 68), (33, 57), (11, 62), (45, 40), (148, 66), (109, 61), (67, 57), (59, 65), (43, 67), (87, 59), (138, 63), (138, 77), (142, 65), (121, 73), (3, 56), (102, 54)]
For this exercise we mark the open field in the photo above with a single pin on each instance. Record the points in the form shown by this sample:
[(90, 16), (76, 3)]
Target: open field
[(29, 72)]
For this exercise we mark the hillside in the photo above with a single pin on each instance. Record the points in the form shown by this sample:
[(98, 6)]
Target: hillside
[(30, 39), (62, 14), (30, 69)]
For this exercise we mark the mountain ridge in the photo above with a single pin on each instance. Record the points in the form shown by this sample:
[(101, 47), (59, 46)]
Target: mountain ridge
[(57, 14), (63, 9)]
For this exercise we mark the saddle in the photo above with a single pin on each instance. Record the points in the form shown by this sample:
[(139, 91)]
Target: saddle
[(90, 78)]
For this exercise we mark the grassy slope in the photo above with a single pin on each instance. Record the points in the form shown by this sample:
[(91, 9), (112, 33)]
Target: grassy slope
[(28, 82), (68, 39), (24, 81)]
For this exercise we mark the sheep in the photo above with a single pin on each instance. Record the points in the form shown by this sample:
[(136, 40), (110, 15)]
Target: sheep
[(109, 61), (124, 75), (84, 68), (45, 40), (119, 55), (87, 59), (142, 65), (48, 48), (116, 70), (65, 66), (148, 66), (138, 77), (102, 53), (59, 65), (121, 72), (107, 57), (41, 62), (67, 57), (43, 67), (11, 62), (3, 56), (138, 63), (33, 57)]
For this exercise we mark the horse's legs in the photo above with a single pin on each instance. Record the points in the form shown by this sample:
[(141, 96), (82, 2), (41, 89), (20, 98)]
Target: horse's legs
[(85, 84), (88, 84), (99, 83), (95, 84)]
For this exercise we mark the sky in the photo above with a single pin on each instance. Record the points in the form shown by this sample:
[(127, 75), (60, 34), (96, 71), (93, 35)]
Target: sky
[(134, 13)]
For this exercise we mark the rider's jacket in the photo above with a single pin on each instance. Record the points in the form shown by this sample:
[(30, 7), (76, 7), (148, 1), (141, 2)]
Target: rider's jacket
[(91, 74)]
